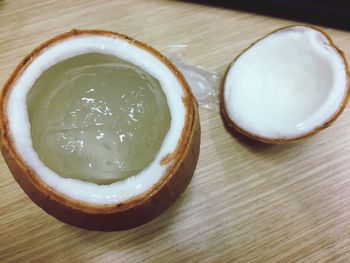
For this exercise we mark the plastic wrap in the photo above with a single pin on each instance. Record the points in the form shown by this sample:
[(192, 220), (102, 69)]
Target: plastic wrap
[(204, 84)]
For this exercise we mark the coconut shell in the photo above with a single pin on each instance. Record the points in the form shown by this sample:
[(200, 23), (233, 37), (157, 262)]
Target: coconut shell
[(133, 212), (232, 125)]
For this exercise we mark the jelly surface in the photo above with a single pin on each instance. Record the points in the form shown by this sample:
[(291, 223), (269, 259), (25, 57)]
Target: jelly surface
[(97, 118)]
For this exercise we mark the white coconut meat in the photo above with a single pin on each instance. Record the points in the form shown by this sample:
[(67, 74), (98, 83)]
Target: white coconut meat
[(85, 191), (286, 85)]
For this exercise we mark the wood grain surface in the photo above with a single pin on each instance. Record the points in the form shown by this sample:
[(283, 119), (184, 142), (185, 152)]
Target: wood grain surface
[(247, 202)]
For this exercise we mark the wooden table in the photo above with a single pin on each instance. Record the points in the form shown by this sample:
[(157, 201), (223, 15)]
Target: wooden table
[(247, 201)]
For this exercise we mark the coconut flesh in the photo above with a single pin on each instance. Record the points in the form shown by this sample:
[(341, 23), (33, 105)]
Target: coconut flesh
[(94, 117), (286, 85)]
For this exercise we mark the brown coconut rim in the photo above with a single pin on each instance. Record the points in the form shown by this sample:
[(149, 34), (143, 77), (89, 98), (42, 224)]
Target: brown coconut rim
[(133, 212), (233, 125)]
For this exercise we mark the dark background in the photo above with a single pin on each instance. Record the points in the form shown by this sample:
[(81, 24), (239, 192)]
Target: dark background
[(326, 13)]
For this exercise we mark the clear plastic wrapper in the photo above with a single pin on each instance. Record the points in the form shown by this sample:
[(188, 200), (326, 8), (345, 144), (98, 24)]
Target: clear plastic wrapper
[(204, 84)]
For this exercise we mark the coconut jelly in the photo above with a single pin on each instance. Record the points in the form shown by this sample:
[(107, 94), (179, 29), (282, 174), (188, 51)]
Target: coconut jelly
[(97, 118)]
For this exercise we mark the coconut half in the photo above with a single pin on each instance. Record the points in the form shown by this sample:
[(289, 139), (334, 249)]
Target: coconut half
[(121, 204), (288, 85)]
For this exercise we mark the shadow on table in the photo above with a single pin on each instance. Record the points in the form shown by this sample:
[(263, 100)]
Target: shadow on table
[(325, 13), (121, 243)]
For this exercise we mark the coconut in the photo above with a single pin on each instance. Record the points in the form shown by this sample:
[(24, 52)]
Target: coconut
[(120, 202), (287, 86)]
